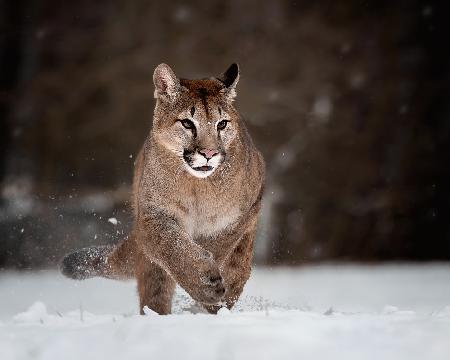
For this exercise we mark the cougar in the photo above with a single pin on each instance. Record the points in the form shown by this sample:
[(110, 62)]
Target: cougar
[(197, 187)]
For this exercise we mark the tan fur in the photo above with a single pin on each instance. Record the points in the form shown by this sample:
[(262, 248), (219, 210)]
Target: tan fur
[(197, 232)]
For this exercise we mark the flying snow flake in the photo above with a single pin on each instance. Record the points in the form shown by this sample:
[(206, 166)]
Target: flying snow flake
[(427, 11), (183, 14), (403, 109), (322, 108), (113, 221)]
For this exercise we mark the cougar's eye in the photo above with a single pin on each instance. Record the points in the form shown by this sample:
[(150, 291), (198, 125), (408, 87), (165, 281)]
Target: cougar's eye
[(188, 124), (222, 124)]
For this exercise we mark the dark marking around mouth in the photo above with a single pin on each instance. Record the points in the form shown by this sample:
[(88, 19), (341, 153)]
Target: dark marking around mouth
[(203, 168)]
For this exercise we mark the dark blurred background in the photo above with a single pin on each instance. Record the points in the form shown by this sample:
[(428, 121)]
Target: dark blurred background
[(348, 101)]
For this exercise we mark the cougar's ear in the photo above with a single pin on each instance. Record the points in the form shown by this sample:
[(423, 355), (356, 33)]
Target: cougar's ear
[(167, 85), (230, 79)]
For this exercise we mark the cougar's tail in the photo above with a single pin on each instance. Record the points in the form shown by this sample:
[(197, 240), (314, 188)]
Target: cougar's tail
[(113, 262)]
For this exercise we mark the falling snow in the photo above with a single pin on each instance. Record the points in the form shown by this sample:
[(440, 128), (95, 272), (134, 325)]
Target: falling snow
[(113, 220)]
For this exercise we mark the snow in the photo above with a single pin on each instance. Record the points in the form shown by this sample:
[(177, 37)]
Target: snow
[(223, 311), (149, 312), (316, 312), (113, 221)]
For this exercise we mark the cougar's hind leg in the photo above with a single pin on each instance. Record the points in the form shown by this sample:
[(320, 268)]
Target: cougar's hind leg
[(122, 261), (155, 287)]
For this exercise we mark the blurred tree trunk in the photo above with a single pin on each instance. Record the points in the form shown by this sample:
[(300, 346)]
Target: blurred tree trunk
[(10, 61), (18, 55)]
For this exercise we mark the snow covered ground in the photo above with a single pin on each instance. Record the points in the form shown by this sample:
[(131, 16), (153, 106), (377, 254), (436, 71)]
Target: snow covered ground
[(318, 312)]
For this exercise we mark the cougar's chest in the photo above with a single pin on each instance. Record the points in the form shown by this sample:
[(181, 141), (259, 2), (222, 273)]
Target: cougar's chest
[(207, 217)]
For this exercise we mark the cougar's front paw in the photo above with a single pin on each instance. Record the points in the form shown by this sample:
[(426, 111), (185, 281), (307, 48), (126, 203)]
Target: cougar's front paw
[(203, 281), (212, 287)]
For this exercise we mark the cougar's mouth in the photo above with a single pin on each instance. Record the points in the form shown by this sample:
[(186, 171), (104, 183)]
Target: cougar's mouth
[(203, 168)]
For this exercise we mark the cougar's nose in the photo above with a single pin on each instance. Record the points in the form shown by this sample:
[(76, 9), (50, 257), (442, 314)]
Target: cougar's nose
[(208, 153)]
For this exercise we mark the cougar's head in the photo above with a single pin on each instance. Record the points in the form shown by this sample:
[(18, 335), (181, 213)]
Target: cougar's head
[(195, 119)]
